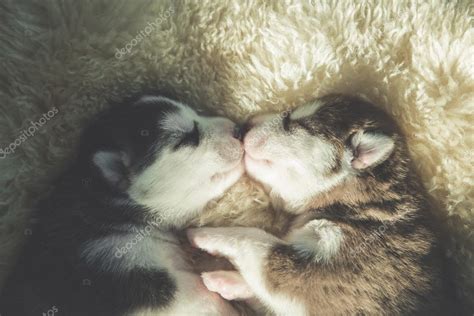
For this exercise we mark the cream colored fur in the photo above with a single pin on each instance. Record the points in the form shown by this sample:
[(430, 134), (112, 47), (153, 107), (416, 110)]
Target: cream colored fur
[(413, 58)]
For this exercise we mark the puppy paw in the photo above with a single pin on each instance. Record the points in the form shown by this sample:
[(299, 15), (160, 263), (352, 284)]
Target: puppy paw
[(229, 284), (212, 240)]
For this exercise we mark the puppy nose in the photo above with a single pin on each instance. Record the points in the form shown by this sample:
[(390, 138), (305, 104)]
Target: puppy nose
[(242, 129), (238, 132)]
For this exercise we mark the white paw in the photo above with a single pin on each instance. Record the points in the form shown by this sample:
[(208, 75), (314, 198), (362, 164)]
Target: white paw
[(213, 240), (241, 245)]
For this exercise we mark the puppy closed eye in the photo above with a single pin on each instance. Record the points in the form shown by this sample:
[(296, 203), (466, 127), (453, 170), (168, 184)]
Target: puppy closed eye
[(190, 138)]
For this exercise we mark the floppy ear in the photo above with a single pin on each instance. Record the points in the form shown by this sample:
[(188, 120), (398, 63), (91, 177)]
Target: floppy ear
[(370, 149), (114, 167)]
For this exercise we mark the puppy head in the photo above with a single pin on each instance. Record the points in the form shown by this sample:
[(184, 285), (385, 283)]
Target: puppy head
[(165, 156), (313, 149)]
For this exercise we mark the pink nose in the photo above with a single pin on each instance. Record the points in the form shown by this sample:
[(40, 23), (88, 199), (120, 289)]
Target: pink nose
[(251, 123), (260, 141), (254, 139)]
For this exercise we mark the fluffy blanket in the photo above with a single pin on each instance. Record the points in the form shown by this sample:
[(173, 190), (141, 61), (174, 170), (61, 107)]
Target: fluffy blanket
[(62, 61)]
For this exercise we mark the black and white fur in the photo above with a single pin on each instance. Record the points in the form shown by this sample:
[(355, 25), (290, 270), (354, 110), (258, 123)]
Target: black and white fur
[(103, 242)]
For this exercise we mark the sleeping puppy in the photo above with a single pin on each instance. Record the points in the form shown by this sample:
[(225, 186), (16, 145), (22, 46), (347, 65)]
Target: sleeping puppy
[(360, 242), (104, 241)]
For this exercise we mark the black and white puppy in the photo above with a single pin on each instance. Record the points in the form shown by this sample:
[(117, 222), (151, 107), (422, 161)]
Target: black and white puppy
[(103, 242)]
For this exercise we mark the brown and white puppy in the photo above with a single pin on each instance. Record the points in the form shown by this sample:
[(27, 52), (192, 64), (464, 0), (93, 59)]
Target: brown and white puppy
[(361, 241)]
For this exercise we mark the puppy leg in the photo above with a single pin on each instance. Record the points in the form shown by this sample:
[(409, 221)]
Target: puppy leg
[(249, 249), (194, 298)]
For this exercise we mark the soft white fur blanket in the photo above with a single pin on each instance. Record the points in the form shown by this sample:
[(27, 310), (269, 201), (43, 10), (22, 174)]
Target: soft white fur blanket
[(413, 58)]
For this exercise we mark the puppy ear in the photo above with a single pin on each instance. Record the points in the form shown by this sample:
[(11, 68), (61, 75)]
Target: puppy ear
[(114, 167), (370, 149)]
